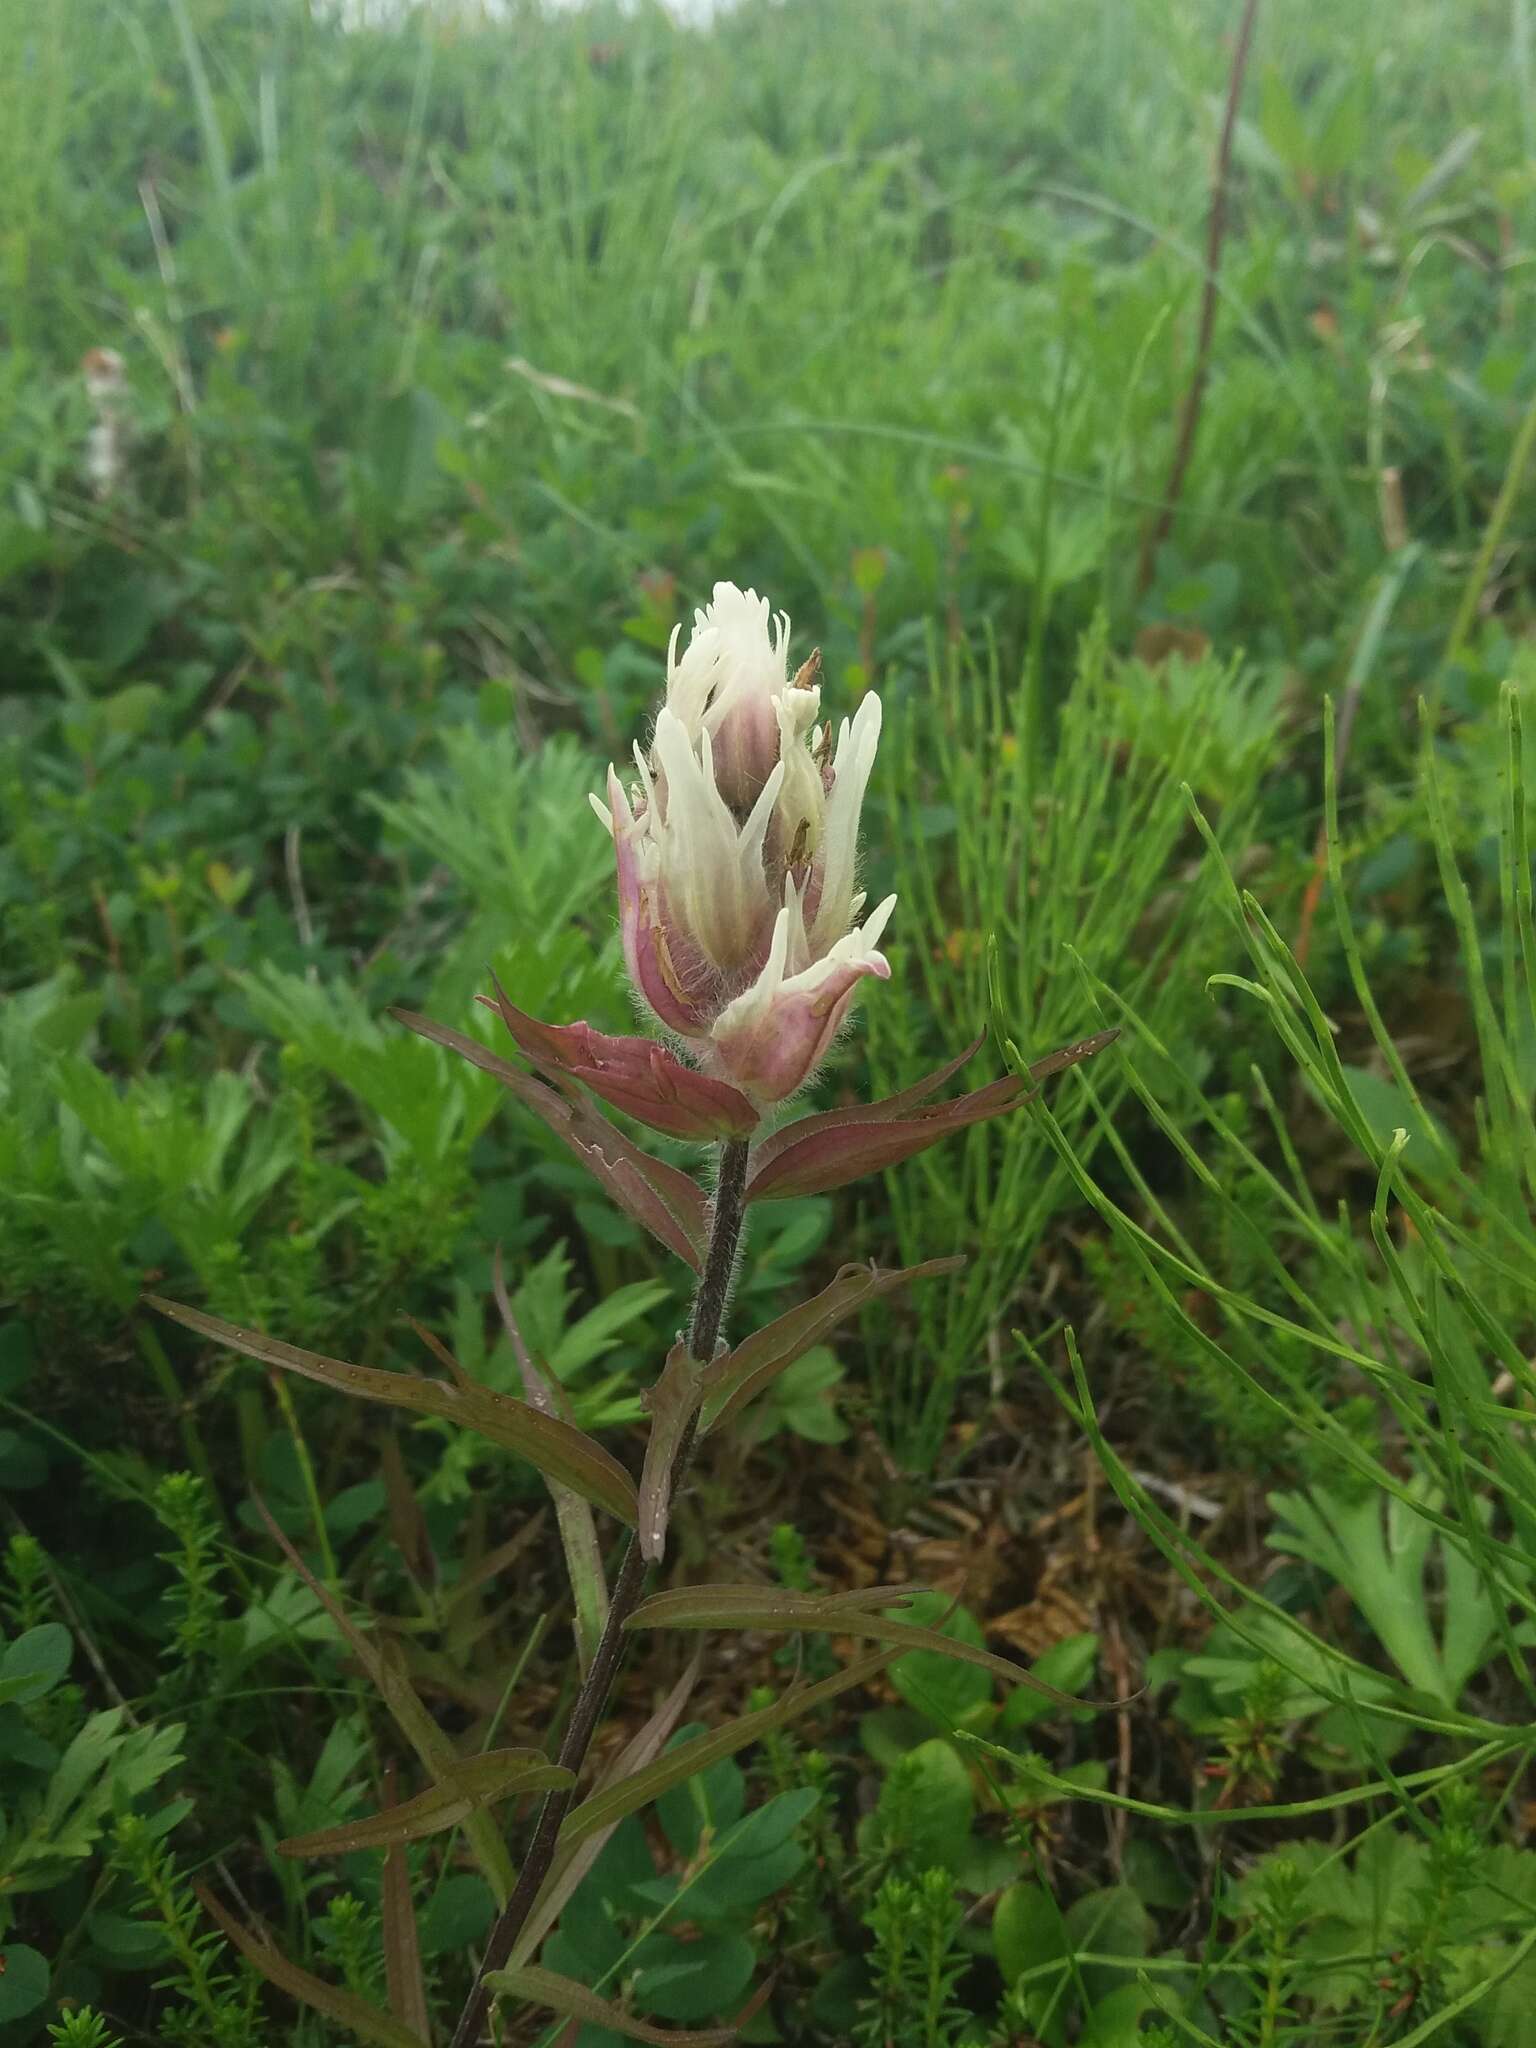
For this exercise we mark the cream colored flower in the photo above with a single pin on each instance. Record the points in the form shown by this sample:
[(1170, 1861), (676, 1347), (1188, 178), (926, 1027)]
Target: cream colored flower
[(737, 853)]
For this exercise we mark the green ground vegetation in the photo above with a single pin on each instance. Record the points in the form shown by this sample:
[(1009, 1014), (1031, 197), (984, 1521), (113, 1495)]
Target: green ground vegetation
[(458, 357)]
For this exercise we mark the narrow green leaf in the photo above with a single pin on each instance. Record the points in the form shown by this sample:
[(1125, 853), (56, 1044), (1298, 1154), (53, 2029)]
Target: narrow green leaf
[(573, 2001), (361, 2019), (764, 1607), (556, 1448), (381, 1660), (731, 1382), (462, 1788)]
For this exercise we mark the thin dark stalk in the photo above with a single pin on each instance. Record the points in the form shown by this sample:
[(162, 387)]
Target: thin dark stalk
[(1156, 532), (704, 1326)]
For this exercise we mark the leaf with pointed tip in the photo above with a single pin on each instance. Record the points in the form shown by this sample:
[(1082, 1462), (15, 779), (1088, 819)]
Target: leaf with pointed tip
[(555, 1447), (633, 1074), (403, 1980), (673, 1403), (824, 1152), (640, 1750), (606, 1807), (663, 1199), (381, 1660), (361, 2019), (1071, 1055), (843, 1152), (571, 2000), (731, 1382), (883, 1111), (461, 1790), (578, 1532), (767, 1607)]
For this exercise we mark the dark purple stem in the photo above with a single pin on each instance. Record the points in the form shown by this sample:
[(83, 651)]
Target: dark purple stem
[(704, 1326)]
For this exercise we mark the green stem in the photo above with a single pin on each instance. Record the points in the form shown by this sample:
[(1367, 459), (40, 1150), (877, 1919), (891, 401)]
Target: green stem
[(1504, 504)]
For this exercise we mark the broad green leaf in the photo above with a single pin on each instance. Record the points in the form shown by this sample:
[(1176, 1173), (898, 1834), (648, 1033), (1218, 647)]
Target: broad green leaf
[(1112, 1922), (937, 1684), (557, 1449), (462, 1789), (34, 1663), (23, 1981), (1028, 1938), (1115, 2021), (703, 1804), (366, 2022), (704, 1978), (927, 1806), (572, 2001), (764, 1607), (1068, 1664)]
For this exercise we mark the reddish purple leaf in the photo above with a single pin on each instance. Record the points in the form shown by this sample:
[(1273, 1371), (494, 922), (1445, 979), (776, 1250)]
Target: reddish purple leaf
[(864, 1112), (634, 1074), (663, 1198), (403, 1979), (832, 1156), (828, 1151)]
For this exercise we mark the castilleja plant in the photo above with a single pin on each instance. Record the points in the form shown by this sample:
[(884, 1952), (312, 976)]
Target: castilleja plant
[(746, 936)]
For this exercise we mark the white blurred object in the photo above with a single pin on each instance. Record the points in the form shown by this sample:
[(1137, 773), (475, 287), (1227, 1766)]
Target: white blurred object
[(106, 445)]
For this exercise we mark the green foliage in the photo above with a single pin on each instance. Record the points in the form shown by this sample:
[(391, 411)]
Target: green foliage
[(459, 358), (717, 1868), (915, 1964)]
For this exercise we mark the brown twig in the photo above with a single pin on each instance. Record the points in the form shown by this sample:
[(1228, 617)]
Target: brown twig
[(1156, 532), (709, 1305)]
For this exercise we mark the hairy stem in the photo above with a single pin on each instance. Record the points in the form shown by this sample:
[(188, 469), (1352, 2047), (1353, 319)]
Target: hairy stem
[(704, 1325)]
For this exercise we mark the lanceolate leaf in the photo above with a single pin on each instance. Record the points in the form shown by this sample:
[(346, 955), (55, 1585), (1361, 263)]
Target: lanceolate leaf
[(578, 1532), (765, 1607), (842, 1152), (462, 1789), (573, 2001), (1071, 1055), (640, 1750), (672, 1402), (633, 1074), (662, 1198), (362, 2020), (380, 1658), (556, 1448), (731, 1382), (403, 1977), (823, 1152), (605, 1808), (883, 1111)]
